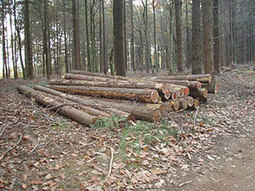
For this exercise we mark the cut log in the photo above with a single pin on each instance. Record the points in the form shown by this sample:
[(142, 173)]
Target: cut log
[(200, 93), (161, 107), (86, 109), (174, 105), (85, 77), (87, 102), (138, 112), (91, 74), (183, 103), (196, 104), (68, 111), (115, 84), (204, 78), (190, 84), (212, 88), (143, 95), (190, 101)]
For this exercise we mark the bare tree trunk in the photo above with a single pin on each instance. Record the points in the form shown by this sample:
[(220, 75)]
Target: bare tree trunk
[(104, 41), (46, 40), (118, 37), (132, 37), (14, 63), (19, 43), (216, 35), (89, 68), (125, 35), (5, 71), (196, 35), (207, 35), (65, 38), (100, 38), (178, 35), (76, 47), (154, 4), (28, 42)]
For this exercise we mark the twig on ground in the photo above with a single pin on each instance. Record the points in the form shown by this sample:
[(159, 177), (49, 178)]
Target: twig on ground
[(20, 138), (194, 122), (4, 129), (184, 183), (110, 167), (36, 145)]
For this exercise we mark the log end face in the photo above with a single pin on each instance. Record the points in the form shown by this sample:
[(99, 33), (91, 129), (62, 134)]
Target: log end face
[(154, 96), (157, 115)]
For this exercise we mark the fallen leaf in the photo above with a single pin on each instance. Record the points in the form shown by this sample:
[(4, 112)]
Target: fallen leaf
[(36, 181), (24, 186), (156, 171)]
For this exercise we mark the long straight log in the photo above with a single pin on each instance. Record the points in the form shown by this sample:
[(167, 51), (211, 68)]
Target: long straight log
[(87, 102), (85, 77), (212, 88), (138, 112), (68, 111), (190, 84), (97, 74), (143, 95), (204, 78), (86, 109), (115, 84)]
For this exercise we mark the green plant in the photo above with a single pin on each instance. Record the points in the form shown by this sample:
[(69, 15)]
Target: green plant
[(109, 123), (60, 125)]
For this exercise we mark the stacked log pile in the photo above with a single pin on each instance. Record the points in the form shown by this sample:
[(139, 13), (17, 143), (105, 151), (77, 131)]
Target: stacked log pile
[(86, 97)]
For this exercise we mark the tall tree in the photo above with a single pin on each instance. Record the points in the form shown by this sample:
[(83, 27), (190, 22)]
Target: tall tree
[(132, 45), (207, 36), (178, 34), (154, 5), (104, 41), (196, 35), (46, 40), (89, 68), (76, 42), (65, 37), (118, 37), (216, 37), (28, 42), (19, 42), (5, 70)]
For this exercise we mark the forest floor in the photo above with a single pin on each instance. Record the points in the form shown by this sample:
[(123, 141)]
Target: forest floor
[(209, 149)]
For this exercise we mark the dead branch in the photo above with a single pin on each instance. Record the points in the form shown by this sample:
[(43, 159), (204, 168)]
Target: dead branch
[(110, 167), (20, 138), (36, 145), (4, 129)]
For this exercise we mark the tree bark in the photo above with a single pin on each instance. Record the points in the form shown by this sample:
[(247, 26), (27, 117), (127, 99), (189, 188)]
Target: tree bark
[(86, 102), (196, 35), (118, 37), (68, 111), (207, 36), (5, 71), (216, 35), (178, 35), (137, 111), (89, 68), (76, 40), (28, 42), (65, 38), (132, 36)]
